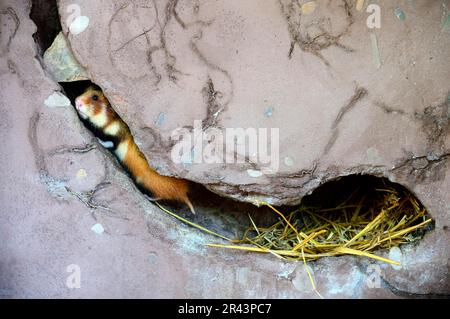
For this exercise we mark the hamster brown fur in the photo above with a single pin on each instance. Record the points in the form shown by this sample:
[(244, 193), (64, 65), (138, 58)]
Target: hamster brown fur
[(95, 109)]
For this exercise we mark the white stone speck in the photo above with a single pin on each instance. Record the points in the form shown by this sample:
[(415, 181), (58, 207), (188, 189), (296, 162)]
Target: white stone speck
[(106, 144), (359, 5), (79, 25), (372, 154), (254, 173), (301, 280), (98, 229), (308, 7), (286, 270), (57, 99), (288, 161), (160, 119), (268, 112), (396, 254), (81, 173), (152, 258)]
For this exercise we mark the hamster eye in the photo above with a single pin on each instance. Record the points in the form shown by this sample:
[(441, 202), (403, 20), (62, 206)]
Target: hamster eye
[(95, 97)]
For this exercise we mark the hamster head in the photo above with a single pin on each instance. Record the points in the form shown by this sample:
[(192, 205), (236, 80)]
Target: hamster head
[(91, 103)]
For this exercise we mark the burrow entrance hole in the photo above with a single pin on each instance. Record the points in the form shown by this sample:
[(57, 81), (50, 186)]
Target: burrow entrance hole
[(44, 14), (216, 213), (355, 193)]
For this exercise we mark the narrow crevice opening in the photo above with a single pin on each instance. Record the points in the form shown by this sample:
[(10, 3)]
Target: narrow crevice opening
[(221, 215), (44, 14)]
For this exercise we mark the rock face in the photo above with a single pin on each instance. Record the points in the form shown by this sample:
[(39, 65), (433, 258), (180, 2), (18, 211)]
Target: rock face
[(59, 62), (346, 99)]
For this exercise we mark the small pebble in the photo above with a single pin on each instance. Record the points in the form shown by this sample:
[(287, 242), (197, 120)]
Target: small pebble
[(81, 173), (106, 144), (268, 112), (396, 254), (98, 229), (399, 14), (152, 257), (254, 173), (79, 25), (432, 157), (359, 5), (446, 23), (160, 119), (288, 161), (57, 99), (308, 7), (375, 51)]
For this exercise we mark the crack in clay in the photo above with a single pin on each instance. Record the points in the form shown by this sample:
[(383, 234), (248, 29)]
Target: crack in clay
[(401, 293), (359, 94), (436, 122), (12, 67), (300, 174), (185, 25), (150, 50), (87, 198), (284, 179), (74, 149), (430, 159), (388, 109), (55, 187), (170, 59), (176, 16), (308, 180), (305, 42), (212, 66), (423, 168), (132, 39), (10, 12), (213, 108), (406, 294)]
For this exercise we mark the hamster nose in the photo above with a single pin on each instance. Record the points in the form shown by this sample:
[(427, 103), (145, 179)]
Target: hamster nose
[(78, 104)]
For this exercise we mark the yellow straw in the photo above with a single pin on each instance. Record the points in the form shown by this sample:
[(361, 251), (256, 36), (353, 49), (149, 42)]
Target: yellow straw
[(192, 224)]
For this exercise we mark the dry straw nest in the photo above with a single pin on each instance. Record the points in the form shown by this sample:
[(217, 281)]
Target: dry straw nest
[(367, 220)]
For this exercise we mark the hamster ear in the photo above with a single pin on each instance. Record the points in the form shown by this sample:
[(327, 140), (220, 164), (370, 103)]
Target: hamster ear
[(94, 87), (89, 88)]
